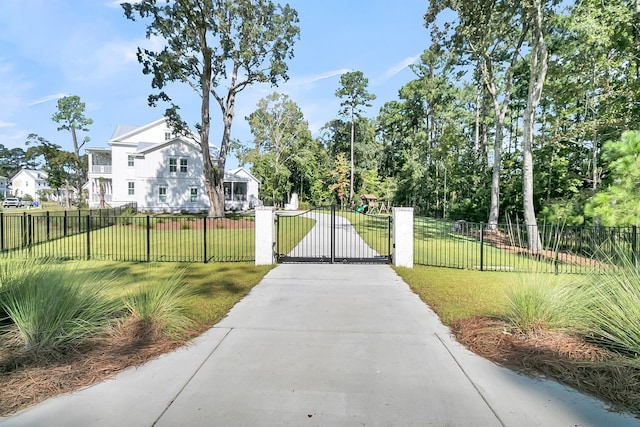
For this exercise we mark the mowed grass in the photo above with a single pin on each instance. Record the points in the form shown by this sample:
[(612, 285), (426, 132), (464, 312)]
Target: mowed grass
[(182, 243), (458, 294), (213, 287)]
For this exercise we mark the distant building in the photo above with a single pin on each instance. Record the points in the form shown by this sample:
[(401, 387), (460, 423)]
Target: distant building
[(28, 181), (4, 186), (159, 171)]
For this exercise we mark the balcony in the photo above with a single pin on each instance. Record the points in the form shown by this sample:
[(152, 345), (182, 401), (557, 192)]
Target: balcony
[(101, 169)]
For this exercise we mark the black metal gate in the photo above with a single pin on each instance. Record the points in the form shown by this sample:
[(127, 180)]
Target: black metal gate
[(329, 234)]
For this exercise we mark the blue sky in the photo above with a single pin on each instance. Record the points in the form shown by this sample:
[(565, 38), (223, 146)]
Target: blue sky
[(52, 48)]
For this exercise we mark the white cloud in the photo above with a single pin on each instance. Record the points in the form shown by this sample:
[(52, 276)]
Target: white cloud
[(4, 124), (47, 98), (395, 69), (307, 80)]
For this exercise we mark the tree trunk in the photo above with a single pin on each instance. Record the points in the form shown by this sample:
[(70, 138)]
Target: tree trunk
[(352, 159), (76, 152), (538, 72), (66, 194)]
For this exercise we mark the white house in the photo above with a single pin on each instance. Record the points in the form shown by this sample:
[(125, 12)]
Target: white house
[(240, 190), (31, 182), (4, 186), (159, 171)]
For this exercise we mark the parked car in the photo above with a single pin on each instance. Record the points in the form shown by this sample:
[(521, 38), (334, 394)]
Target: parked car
[(11, 202)]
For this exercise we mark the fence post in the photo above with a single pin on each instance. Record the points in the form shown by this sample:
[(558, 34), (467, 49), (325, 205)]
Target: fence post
[(88, 235), (634, 246), (403, 237), (23, 229), (204, 238), (64, 224), (264, 236), (31, 226), (48, 226), (148, 227), (333, 234), (481, 247), (2, 231)]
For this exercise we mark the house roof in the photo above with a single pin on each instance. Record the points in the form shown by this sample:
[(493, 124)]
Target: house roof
[(146, 147), (124, 131), (235, 171), (33, 174)]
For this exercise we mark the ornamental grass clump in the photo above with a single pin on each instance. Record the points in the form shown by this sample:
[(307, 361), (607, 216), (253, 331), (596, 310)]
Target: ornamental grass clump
[(542, 301), (612, 314), (161, 305), (52, 306)]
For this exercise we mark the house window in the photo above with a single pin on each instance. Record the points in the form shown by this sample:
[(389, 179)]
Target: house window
[(162, 194), (130, 161), (173, 164), (194, 195), (131, 188), (167, 136), (183, 165)]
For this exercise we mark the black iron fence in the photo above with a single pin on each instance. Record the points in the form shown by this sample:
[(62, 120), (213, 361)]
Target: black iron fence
[(127, 237), (506, 247)]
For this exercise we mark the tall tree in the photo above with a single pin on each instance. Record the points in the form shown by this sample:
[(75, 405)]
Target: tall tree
[(280, 136), (70, 116), (355, 96), (619, 203), (490, 33), (535, 13), (59, 165), (219, 48)]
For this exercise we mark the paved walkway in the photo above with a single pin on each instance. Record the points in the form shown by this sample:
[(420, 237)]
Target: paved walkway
[(324, 345)]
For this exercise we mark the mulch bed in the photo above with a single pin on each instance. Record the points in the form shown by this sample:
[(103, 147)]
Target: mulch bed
[(29, 378), (565, 358)]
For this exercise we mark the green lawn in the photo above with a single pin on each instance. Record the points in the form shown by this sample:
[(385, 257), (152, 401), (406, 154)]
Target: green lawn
[(457, 294), (216, 286)]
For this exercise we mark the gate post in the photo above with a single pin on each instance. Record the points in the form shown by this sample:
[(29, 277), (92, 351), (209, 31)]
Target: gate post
[(264, 235), (403, 237)]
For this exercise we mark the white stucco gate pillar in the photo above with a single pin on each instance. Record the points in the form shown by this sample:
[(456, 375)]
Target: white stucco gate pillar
[(264, 235), (403, 237)]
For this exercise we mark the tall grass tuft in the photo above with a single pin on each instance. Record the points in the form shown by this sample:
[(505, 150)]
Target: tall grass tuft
[(542, 301), (612, 314), (54, 305), (161, 305)]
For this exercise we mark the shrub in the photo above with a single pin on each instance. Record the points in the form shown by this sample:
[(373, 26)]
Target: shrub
[(162, 305), (612, 314), (52, 306)]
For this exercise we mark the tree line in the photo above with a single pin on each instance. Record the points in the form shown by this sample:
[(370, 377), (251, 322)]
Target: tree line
[(519, 110), (65, 169)]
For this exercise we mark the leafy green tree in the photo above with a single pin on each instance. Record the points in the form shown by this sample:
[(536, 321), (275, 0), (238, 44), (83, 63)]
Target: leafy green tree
[(59, 165), (489, 33), (12, 160), (338, 176), (336, 137), (355, 97), (619, 203), (281, 141), (219, 48), (70, 116)]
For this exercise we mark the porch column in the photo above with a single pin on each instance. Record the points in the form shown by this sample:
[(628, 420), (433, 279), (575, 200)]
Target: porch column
[(403, 237), (264, 235)]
